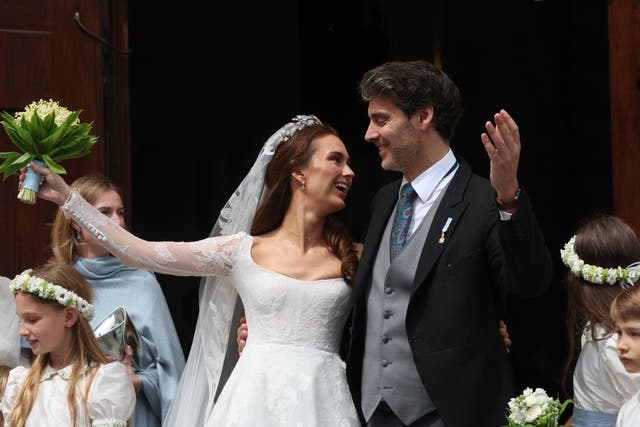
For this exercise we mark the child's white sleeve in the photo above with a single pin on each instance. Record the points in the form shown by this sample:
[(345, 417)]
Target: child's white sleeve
[(112, 398), (13, 383)]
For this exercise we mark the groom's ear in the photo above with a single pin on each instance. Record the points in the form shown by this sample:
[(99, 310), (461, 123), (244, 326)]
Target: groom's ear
[(425, 117)]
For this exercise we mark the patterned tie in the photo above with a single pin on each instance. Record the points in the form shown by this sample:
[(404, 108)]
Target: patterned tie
[(402, 219)]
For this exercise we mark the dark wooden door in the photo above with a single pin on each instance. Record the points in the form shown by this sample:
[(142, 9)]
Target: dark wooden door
[(624, 53), (45, 53)]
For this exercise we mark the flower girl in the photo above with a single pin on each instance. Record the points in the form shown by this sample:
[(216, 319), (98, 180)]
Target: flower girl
[(600, 260), (625, 310), (70, 382)]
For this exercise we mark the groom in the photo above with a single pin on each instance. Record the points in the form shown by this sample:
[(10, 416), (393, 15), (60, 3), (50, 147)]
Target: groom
[(425, 350)]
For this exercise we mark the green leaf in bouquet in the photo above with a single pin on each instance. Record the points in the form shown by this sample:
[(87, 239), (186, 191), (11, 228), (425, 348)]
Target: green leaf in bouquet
[(53, 165), (9, 120), (45, 131), (8, 117), (71, 151), (8, 154), (37, 130), (13, 162), (9, 157), (80, 130), (49, 123), (63, 131), (11, 127), (24, 135)]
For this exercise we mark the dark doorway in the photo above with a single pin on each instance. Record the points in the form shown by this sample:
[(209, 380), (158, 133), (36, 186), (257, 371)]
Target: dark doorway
[(210, 82)]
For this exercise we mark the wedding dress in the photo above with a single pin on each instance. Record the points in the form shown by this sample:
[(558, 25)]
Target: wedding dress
[(289, 373)]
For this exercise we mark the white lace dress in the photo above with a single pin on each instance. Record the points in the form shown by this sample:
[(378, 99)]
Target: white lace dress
[(290, 373)]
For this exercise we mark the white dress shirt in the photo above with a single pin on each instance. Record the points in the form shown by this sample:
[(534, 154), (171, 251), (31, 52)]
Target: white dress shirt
[(428, 186)]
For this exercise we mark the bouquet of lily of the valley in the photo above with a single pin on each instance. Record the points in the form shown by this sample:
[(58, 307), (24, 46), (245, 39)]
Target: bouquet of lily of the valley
[(45, 133), (535, 409)]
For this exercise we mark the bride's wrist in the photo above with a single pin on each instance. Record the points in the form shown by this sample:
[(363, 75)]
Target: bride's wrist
[(65, 198)]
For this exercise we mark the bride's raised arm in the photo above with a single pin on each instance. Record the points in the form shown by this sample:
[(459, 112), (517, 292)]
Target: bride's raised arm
[(207, 257)]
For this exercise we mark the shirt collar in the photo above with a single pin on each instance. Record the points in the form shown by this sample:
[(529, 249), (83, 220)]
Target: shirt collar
[(64, 373), (425, 183)]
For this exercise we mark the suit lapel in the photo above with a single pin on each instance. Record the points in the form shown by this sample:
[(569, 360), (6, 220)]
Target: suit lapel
[(452, 206)]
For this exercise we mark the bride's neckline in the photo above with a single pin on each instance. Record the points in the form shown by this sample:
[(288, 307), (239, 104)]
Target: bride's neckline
[(269, 270)]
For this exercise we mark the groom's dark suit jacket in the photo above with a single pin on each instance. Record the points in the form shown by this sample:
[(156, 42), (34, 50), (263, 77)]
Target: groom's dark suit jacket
[(452, 318)]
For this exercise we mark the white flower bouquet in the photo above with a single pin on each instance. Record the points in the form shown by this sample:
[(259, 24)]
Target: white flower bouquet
[(45, 133), (535, 409)]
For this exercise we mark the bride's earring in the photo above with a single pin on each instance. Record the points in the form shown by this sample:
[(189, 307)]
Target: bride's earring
[(302, 187)]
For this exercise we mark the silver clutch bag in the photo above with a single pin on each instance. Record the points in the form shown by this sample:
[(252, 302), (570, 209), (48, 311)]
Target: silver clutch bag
[(116, 331)]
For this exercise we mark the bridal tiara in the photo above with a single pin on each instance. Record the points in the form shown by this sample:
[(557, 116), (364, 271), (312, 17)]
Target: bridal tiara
[(296, 124)]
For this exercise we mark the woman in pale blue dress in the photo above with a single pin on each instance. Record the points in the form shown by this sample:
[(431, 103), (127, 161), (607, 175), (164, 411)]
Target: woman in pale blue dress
[(136, 290)]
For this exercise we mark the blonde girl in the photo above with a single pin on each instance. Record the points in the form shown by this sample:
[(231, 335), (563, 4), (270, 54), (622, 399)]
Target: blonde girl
[(54, 307)]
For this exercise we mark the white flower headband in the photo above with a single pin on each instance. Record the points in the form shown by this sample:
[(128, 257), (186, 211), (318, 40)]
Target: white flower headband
[(24, 282), (592, 273)]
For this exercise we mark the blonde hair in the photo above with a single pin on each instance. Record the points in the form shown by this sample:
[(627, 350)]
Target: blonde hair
[(626, 306), (87, 353), (4, 374), (63, 236)]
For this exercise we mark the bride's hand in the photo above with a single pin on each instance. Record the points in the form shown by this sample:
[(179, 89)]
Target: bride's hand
[(52, 187)]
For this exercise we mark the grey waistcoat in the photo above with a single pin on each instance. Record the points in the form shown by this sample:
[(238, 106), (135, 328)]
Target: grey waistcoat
[(389, 371)]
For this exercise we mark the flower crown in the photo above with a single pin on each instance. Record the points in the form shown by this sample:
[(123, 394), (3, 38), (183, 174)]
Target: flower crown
[(24, 282), (599, 275)]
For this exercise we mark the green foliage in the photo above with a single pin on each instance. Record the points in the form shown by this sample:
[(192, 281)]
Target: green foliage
[(44, 139)]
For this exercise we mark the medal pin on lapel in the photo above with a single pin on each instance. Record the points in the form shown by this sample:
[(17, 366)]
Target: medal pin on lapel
[(444, 230)]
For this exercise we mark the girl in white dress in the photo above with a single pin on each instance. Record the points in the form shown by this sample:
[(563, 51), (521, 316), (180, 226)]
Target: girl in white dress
[(70, 382), (625, 310), (289, 260), (596, 257), (9, 339)]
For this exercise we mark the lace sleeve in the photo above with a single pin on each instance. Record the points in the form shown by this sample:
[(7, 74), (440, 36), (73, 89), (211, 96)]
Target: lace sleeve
[(207, 257)]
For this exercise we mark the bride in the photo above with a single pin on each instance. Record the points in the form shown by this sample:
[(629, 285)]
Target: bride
[(280, 248)]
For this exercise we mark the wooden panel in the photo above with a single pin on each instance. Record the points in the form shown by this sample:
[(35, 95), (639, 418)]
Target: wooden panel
[(27, 63), (624, 45), (45, 54), (117, 105)]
